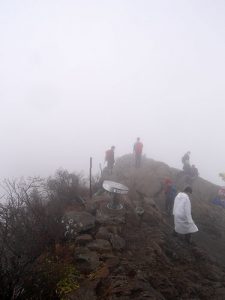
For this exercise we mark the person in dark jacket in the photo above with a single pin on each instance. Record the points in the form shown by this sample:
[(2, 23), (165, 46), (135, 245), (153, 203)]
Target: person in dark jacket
[(194, 171), (170, 192), (186, 160)]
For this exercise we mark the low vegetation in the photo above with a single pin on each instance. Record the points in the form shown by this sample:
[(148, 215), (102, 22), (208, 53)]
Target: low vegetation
[(30, 229)]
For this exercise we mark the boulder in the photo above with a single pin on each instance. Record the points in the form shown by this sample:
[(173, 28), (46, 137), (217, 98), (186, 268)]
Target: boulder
[(110, 217), (100, 246), (117, 242), (77, 222), (103, 233), (91, 207), (112, 262), (85, 292), (86, 261), (84, 239)]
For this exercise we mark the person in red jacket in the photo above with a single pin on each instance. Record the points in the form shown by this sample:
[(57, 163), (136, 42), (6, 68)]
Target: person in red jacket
[(109, 158), (138, 147)]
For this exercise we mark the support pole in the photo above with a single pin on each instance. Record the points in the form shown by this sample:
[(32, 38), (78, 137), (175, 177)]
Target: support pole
[(90, 177)]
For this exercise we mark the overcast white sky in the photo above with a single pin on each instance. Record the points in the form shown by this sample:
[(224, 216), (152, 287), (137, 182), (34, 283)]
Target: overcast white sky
[(79, 76)]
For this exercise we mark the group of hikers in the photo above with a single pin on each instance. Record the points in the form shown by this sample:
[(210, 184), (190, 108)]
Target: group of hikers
[(189, 169), (179, 205), (137, 150), (176, 204)]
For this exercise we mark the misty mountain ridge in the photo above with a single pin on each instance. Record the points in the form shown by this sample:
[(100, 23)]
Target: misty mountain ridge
[(107, 254)]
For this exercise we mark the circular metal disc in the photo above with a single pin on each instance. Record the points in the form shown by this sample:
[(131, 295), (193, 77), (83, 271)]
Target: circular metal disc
[(115, 187)]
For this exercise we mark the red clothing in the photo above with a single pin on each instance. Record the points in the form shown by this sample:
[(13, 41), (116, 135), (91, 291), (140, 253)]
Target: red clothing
[(138, 146), (109, 156), (167, 185)]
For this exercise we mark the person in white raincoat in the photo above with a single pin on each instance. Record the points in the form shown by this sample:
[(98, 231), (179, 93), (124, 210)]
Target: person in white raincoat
[(183, 221)]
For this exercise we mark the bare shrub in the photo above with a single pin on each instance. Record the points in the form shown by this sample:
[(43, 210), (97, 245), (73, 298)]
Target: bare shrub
[(66, 187), (27, 227), (31, 225)]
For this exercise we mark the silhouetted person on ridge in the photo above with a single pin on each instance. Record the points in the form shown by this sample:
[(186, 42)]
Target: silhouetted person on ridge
[(137, 149), (194, 171), (109, 158), (170, 192), (222, 175), (186, 160)]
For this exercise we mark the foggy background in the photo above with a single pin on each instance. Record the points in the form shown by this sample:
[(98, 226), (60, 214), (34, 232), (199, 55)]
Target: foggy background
[(77, 77)]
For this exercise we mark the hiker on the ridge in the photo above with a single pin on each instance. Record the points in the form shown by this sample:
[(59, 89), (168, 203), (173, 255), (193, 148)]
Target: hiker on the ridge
[(109, 158), (186, 160), (194, 171), (222, 175), (138, 147), (170, 194), (183, 221), (220, 197)]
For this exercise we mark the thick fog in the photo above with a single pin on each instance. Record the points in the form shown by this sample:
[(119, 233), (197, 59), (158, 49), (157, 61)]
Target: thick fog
[(77, 77)]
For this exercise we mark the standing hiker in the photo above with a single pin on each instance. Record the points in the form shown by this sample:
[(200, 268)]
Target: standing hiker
[(138, 147), (183, 221), (222, 175), (194, 171), (170, 194), (109, 158), (186, 163)]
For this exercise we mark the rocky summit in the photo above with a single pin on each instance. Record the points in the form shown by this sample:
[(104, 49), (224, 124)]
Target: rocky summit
[(122, 254)]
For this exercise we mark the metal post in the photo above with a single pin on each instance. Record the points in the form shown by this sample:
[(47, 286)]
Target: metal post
[(90, 177)]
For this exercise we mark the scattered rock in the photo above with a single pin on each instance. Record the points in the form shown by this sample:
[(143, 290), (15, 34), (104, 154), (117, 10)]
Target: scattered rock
[(91, 207), (87, 261), (100, 246), (220, 293), (84, 239), (103, 233), (113, 262), (153, 264), (79, 221), (86, 292), (109, 216), (117, 242), (101, 273)]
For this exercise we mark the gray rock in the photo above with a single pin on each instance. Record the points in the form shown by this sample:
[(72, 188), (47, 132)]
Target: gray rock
[(91, 207), (78, 221), (117, 242), (113, 262), (83, 293), (84, 239), (86, 260), (103, 234), (110, 217), (100, 246)]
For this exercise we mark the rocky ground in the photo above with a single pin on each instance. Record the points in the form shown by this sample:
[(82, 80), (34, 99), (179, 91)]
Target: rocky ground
[(122, 255)]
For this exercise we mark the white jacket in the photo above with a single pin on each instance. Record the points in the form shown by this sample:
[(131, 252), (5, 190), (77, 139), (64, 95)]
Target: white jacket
[(182, 215)]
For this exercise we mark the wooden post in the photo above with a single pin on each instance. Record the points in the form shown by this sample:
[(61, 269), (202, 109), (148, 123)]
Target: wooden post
[(90, 177)]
